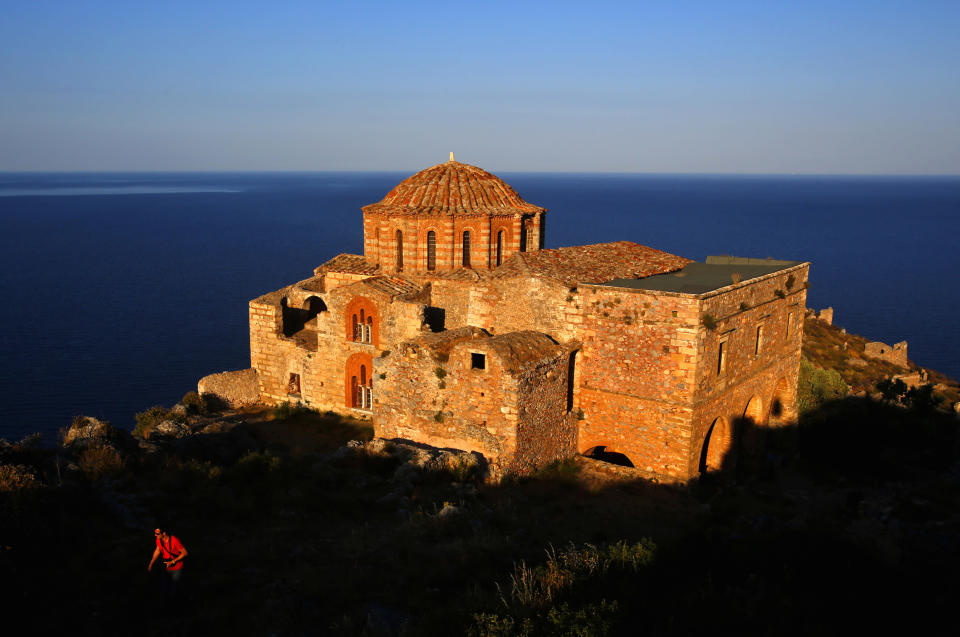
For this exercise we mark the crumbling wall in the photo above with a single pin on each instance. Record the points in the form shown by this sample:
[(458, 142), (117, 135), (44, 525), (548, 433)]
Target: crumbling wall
[(235, 388), (896, 354)]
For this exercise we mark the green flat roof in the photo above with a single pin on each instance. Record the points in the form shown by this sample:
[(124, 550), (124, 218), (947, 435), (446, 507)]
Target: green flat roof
[(699, 278)]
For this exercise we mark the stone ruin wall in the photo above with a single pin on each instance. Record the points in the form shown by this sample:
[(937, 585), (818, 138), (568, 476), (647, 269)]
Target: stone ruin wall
[(897, 354), (635, 375)]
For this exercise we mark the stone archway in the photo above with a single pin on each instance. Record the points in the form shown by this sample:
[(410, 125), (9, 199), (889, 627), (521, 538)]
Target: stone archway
[(753, 412), (717, 447), (780, 405)]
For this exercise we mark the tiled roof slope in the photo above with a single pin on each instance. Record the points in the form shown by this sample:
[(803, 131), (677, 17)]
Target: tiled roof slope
[(348, 263), (392, 285), (596, 263), (453, 188)]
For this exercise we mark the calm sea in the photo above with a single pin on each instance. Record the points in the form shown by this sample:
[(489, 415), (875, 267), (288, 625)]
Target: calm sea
[(119, 291)]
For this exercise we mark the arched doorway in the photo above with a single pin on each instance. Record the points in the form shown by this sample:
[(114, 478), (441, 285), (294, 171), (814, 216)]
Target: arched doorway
[(717, 447)]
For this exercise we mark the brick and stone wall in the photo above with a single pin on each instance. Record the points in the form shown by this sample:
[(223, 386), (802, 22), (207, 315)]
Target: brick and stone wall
[(514, 411)]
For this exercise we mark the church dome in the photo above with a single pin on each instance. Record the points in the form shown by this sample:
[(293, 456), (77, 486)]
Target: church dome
[(453, 188)]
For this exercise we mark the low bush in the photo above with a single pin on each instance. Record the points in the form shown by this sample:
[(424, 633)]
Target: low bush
[(99, 461), (148, 420), (16, 477), (816, 386)]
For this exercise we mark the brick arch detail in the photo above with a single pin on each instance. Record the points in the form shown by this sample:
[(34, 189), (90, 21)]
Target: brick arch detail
[(422, 244), (351, 369), (754, 411), (474, 239), (717, 443), (369, 308)]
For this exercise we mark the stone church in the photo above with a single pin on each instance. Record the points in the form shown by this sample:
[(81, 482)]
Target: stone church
[(457, 328)]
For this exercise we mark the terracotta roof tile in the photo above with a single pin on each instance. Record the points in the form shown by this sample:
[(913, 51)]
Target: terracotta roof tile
[(453, 188), (392, 285), (596, 263), (348, 263)]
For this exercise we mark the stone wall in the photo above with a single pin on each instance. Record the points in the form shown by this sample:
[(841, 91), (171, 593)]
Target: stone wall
[(428, 390), (235, 388), (896, 354)]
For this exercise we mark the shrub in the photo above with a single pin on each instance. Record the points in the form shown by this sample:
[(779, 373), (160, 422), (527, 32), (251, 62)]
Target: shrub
[(780, 294), (197, 404), (816, 386), (708, 321), (744, 306), (17, 477), (790, 281), (98, 461), (438, 417), (286, 410), (148, 420), (440, 372)]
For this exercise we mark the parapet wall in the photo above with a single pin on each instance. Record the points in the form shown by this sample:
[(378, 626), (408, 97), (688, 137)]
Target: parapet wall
[(896, 354)]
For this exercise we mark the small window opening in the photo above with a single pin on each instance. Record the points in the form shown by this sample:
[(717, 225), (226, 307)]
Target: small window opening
[(399, 250), (523, 236), (789, 323), (293, 385), (431, 250), (500, 247), (478, 361), (466, 248), (759, 343), (721, 358)]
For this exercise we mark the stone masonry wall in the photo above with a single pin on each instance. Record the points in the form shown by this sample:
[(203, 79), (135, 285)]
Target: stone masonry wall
[(517, 423), (750, 381), (635, 375)]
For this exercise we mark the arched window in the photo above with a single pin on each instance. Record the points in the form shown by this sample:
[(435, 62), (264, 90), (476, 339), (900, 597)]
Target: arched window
[(368, 330), (431, 250), (523, 235), (500, 247), (354, 392), (365, 395), (356, 328), (466, 248), (399, 250)]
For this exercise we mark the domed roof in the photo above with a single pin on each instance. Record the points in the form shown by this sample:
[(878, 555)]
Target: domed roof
[(453, 188)]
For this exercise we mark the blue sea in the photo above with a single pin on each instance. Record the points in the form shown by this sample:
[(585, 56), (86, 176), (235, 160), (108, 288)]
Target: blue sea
[(119, 291)]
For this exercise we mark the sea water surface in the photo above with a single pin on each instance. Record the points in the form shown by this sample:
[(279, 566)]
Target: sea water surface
[(119, 291)]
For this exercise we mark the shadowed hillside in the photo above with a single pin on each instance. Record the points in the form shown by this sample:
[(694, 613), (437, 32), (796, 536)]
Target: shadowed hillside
[(844, 522)]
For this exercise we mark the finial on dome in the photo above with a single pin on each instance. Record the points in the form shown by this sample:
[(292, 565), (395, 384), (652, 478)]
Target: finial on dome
[(451, 156)]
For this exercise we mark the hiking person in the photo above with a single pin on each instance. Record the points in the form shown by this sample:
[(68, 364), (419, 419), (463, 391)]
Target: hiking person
[(171, 549)]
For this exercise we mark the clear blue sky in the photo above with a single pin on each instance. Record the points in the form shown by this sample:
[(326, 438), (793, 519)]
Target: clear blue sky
[(759, 87)]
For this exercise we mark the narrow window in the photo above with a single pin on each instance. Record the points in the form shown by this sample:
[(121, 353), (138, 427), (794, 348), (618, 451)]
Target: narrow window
[(721, 358), (368, 330), (293, 385), (500, 247), (756, 348), (466, 248), (354, 394), (365, 398), (523, 236), (789, 323), (431, 250), (399, 250), (356, 328), (570, 378), (478, 361)]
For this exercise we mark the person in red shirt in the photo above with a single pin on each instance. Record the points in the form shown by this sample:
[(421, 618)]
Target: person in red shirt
[(173, 552)]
